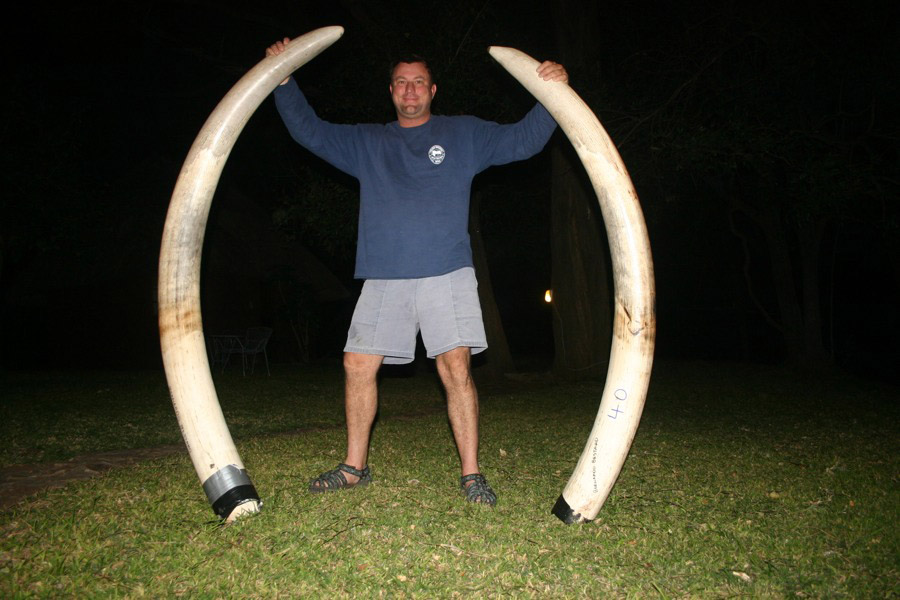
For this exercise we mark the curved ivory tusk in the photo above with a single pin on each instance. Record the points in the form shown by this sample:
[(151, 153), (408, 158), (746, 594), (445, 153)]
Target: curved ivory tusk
[(634, 325), (206, 435)]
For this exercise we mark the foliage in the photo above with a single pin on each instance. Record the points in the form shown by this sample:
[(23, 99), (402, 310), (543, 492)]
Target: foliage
[(320, 210), (768, 126), (786, 106)]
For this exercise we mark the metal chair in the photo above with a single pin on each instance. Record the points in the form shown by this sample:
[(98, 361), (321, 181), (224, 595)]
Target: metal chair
[(223, 346), (251, 344), (254, 344)]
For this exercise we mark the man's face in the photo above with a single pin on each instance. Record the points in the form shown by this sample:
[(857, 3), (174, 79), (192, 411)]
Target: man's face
[(412, 92)]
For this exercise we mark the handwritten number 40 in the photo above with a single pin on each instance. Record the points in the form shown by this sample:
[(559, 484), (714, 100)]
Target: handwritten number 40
[(621, 396)]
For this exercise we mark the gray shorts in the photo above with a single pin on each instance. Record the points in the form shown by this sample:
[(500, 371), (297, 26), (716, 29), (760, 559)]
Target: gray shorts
[(390, 312)]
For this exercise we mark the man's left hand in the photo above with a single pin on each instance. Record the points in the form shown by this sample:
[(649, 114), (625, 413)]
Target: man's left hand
[(551, 71)]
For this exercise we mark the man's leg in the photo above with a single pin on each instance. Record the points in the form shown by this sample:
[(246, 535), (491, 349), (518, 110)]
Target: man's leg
[(455, 370), (360, 405)]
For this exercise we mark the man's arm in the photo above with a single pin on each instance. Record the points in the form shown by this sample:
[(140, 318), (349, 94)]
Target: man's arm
[(334, 143), (503, 144)]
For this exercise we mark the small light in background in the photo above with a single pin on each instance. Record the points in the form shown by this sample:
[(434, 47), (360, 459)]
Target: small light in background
[(548, 296)]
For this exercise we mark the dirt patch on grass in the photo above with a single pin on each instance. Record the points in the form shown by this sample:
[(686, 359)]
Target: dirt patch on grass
[(20, 481)]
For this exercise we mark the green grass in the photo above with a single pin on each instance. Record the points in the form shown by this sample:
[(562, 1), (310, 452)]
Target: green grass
[(742, 481), (54, 416)]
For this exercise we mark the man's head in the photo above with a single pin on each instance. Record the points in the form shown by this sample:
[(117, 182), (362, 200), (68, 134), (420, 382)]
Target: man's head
[(412, 90)]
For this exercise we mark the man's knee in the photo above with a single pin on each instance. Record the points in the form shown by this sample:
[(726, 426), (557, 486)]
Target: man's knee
[(361, 366), (454, 367)]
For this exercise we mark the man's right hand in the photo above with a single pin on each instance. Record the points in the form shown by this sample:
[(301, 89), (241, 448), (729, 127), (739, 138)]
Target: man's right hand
[(276, 49)]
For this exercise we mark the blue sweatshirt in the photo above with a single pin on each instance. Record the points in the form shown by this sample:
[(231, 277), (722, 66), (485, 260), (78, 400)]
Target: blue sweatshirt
[(415, 182)]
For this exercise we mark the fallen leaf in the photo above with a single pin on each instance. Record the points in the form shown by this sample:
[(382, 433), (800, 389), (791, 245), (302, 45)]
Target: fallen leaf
[(741, 575)]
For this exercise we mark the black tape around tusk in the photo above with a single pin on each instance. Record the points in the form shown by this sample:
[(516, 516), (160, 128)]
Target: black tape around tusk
[(565, 513), (228, 488), (233, 498)]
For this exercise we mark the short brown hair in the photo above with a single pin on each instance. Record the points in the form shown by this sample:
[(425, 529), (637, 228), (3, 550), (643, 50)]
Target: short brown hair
[(410, 59)]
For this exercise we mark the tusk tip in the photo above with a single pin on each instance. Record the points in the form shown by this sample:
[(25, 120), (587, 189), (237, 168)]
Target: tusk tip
[(331, 32)]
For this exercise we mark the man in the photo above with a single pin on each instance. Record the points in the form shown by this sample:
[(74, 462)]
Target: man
[(413, 248)]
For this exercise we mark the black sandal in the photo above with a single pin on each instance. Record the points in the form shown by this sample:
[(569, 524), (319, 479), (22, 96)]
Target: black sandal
[(334, 480), (479, 491)]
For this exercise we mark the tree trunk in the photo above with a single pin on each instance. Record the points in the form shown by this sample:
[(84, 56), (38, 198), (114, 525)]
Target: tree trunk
[(799, 301), (783, 280), (810, 237), (499, 360), (580, 276)]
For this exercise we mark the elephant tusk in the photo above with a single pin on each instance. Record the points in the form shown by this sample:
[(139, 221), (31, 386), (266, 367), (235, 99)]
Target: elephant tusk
[(209, 443), (634, 324)]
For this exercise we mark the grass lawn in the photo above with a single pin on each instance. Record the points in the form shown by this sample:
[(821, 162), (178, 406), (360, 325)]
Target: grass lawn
[(742, 481)]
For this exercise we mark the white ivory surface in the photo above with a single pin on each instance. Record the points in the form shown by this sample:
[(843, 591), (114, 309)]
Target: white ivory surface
[(181, 331), (634, 325)]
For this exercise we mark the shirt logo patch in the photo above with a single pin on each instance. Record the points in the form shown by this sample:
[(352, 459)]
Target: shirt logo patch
[(436, 154)]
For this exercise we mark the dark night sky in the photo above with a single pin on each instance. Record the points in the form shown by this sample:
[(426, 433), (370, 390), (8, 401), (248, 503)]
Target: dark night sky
[(104, 99)]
